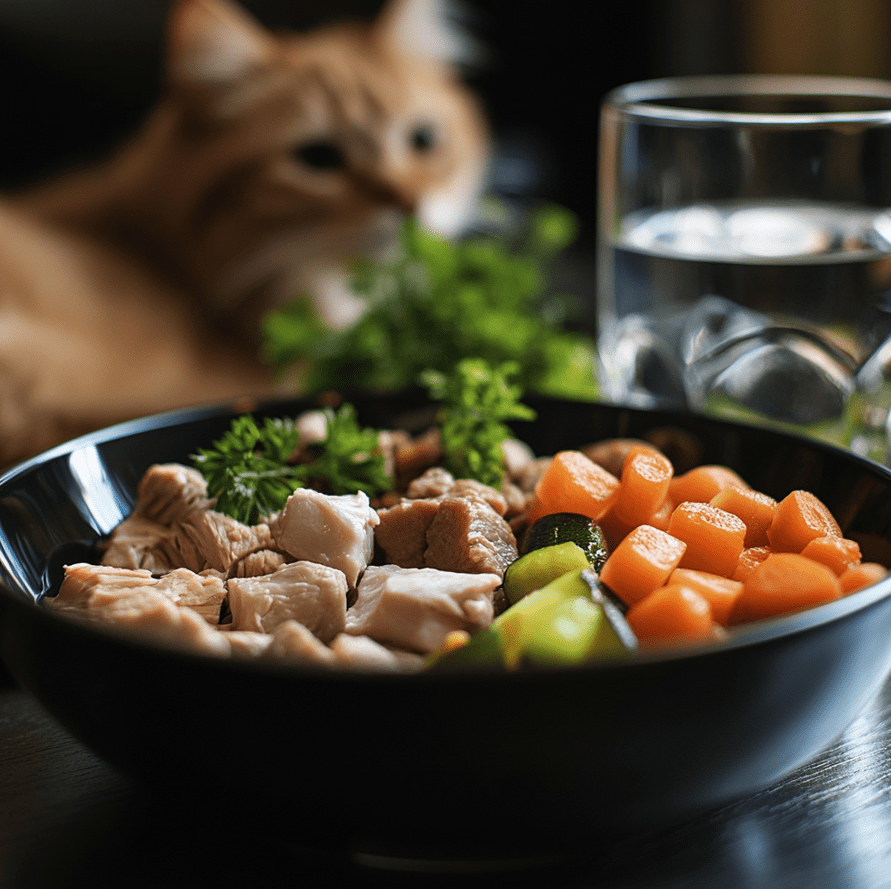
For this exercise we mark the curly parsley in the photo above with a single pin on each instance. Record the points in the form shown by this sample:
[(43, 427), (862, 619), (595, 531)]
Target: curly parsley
[(477, 401), (247, 469), (251, 470)]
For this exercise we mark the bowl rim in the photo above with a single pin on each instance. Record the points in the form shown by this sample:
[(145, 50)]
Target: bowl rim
[(755, 633)]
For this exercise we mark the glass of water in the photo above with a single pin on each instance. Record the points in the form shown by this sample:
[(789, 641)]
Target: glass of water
[(744, 256)]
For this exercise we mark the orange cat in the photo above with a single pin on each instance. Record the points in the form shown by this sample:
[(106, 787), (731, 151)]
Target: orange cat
[(137, 286)]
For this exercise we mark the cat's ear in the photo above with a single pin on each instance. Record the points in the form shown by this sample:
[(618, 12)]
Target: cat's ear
[(214, 44), (429, 28)]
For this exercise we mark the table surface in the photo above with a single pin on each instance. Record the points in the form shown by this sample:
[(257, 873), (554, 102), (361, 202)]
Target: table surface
[(68, 819)]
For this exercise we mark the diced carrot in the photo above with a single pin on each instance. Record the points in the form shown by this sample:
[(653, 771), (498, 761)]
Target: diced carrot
[(721, 593), (714, 538), (754, 508), (573, 483), (672, 613), (642, 562), (615, 530), (662, 517), (701, 483), (646, 474), (862, 575), (785, 582), (799, 518), (749, 559), (838, 553)]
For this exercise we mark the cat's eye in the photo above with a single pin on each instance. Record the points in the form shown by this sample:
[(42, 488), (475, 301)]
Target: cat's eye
[(422, 137), (320, 154)]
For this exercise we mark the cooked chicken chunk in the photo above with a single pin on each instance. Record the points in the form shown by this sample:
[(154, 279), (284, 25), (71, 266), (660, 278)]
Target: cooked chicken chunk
[(245, 643), (161, 609), (292, 641), (468, 535), (90, 588), (168, 491), (364, 652), (141, 542), (402, 532), (415, 608), (332, 530), (461, 530), (314, 595)]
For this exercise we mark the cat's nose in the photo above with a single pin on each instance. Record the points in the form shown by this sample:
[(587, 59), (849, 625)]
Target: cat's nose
[(392, 193)]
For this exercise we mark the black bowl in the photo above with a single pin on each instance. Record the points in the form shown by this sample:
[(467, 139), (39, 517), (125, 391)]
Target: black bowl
[(437, 764)]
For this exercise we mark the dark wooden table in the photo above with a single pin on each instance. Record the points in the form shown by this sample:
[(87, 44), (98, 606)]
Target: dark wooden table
[(67, 820)]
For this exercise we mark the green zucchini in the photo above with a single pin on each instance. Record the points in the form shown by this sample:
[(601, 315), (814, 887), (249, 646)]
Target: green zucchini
[(567, 527)]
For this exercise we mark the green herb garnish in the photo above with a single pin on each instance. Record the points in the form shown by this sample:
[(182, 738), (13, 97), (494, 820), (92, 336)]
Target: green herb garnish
[(477, 401), (247, 469), (440, 302), (251, 471), (348, 460)]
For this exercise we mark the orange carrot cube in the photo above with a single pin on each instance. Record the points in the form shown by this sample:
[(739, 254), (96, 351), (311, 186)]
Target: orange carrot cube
[(785, 582), (749, 559), (721, 593), (839, 553), (573, 483), (642, 562), (799, 518), (754, 508), (646, 474), (714, 538), (701, 483), (859, 576), (671, 614)]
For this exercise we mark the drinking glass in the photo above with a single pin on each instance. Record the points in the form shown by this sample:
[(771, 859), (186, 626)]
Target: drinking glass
[(744, 251)]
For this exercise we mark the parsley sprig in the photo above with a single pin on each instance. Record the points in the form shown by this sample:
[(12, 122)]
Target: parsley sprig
[(251, 471), (440, 301), (247, 469), (477, 401), (348, 460)]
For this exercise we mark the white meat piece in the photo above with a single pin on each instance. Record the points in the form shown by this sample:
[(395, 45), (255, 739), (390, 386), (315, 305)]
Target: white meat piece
[(91, 588), (83, 580), (364, 652), (210, 539), (415, 608), (292, 641), (133, 601), (312, 594), (261, 561), (518, 456), (153, 616), (168, 491), (141, 542), (203, 593), (244, 643), (312, 426), (334, 530)]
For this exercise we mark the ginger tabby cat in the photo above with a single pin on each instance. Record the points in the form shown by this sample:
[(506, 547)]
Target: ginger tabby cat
[(137, 286)]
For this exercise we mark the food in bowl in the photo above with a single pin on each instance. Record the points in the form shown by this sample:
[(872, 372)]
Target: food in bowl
[(586, 554)]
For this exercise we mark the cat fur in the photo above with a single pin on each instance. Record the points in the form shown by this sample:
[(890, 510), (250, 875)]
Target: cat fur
[(137, 285)]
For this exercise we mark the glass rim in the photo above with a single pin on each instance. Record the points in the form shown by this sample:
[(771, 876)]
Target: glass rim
[(652, 98)]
